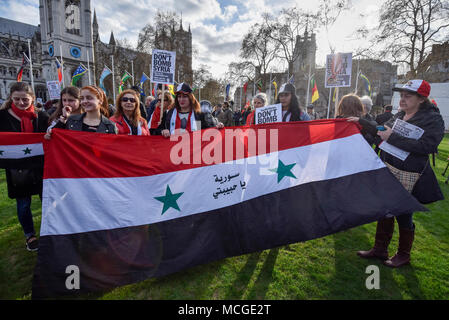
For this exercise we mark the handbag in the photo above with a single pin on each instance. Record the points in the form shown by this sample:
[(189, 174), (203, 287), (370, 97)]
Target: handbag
[(406, 178)]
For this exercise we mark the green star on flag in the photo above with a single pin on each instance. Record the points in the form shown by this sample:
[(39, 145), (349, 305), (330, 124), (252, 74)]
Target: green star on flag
[(169, 200), (284, 170), (27, 151)]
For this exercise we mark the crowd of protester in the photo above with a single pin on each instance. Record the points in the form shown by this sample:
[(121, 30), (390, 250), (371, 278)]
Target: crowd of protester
[(87, 109)]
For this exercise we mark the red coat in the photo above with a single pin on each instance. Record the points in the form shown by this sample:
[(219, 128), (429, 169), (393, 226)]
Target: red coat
[(123, 127), (250, 118)]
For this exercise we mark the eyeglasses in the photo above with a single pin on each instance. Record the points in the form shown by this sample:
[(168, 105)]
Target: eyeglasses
[(17, 99), (125, 99)]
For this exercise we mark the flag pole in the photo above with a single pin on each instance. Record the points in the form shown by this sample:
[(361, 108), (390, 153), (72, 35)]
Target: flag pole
[(269, 97), (88, 67), (132, 70), (329, 102), (336, 101), (162, 102), (357, 78), (62, 66), (308, 83), (241, 93), (113, 76), (31, 64)]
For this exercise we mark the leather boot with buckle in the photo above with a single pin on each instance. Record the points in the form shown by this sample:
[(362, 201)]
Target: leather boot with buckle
[(384, 233)]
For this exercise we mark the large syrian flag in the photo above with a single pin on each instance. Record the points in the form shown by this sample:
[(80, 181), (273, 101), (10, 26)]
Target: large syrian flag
[(118, 209)]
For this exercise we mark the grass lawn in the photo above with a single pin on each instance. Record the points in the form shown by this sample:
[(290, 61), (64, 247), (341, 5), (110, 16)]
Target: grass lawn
[(325, 268)]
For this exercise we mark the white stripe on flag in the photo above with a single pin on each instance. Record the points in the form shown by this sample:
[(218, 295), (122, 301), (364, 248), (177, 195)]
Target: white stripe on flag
[(19, 151), (91, 204)]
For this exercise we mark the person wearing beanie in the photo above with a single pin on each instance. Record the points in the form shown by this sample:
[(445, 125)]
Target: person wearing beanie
[(414, 172), (290, 105)]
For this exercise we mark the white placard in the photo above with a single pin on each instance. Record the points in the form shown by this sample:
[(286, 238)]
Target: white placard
[(54, 89), (404, 129), (163, 66), (269, 114), (338, 70)]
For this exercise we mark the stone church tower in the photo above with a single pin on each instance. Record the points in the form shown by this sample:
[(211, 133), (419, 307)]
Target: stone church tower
[(305, 54), (66, 31)]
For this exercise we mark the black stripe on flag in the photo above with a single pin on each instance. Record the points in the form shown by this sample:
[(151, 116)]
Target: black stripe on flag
[(116, 257)]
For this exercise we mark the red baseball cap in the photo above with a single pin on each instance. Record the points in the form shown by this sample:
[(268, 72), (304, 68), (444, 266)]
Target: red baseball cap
[(421, 87)]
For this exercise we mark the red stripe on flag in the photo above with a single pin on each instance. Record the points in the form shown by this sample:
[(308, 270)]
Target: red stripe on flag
[(14, 138), (71, 154)]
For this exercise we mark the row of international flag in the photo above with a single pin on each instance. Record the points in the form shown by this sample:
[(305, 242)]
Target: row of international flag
[(81, 70)]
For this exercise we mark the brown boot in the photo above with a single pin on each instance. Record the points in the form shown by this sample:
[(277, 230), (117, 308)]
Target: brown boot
[(402, 257), (384, 233)]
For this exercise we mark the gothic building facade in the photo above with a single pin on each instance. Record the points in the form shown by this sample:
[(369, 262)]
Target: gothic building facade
[(69, 32)]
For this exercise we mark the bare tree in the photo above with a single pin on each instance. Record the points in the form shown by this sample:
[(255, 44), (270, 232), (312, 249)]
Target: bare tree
[(409, 28), (164, 22), (258, 47), (285, 28)]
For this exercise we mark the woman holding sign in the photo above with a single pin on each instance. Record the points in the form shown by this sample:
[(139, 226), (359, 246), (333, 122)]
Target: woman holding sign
[(290, 105), (259, 101), (186, 114), (413, 170)]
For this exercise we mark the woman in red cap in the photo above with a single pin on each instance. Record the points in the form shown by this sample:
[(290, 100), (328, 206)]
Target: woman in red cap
[(414, 172), (19, 115), (186, 114)]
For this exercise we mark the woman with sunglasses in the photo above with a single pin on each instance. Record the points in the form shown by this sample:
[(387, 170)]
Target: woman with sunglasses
[(155, 119), (186, 114), (127, 116), (94, 119), (24, 179)]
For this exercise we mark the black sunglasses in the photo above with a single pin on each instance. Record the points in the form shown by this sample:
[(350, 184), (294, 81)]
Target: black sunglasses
[(125, 99)]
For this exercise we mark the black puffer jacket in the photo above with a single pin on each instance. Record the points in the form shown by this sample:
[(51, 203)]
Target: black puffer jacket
[(426, 189)]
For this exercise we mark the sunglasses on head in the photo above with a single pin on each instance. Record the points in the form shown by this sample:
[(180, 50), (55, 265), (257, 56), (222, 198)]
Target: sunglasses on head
[(125, 99)]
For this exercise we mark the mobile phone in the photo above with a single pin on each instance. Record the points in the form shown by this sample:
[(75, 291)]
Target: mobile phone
[(381, 128)]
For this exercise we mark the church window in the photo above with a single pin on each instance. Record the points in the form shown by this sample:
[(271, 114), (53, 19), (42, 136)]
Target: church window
[(72, 16)]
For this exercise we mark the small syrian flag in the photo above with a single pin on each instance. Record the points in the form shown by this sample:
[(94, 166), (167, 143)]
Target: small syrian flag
[(116, 218), (20, 150)]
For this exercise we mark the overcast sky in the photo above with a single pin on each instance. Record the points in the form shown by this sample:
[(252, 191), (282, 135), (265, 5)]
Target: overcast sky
[(217, 26)]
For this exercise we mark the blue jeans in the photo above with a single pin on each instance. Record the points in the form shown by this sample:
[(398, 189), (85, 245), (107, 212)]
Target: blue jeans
[(25, 216)]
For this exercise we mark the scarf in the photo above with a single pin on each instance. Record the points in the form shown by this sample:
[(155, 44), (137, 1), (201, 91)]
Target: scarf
[(175, 122), (128, 129), (26, 117)]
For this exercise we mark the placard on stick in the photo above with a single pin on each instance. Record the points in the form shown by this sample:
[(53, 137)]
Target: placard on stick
[(163, 66), (338, 70), (269, 114), (54, 89)]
